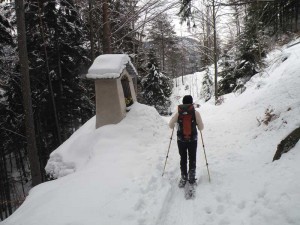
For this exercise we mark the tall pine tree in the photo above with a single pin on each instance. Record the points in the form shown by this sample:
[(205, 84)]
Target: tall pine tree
[(58, 59), (156, 87), (207, 86), (163, 41), (251, 49)]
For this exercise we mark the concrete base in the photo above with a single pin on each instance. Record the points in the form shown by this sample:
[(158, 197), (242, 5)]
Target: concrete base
[(110, 103)]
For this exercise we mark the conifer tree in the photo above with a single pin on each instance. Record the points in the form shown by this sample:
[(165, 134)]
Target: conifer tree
[(251, 48), (55, 39), (6, 71), (162, 38), (156, 86), (207, 86), (123, 18), (11, 108)]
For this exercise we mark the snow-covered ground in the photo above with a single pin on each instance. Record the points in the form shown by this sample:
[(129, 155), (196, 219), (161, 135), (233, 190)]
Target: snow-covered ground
[(113, 175)]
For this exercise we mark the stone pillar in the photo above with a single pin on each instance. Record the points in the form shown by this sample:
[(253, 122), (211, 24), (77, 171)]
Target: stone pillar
[(110, 104)]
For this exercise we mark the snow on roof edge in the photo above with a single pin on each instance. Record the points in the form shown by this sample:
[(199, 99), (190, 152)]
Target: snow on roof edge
[(103, 76), (110, 66)]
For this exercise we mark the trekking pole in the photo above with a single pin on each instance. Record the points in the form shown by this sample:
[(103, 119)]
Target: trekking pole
[(168, 152), (205, 156)]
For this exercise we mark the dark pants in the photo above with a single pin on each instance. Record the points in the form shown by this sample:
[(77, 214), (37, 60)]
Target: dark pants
[(187, 150)]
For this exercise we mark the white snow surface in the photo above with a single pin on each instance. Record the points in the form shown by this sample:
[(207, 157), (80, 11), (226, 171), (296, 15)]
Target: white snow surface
[(108, 66), (113, 175)]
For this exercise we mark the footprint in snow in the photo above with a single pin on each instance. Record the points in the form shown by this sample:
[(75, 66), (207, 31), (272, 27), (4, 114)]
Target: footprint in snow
[(208, 210), (224, 222), (140, 205), (242, 205), (220, 209)]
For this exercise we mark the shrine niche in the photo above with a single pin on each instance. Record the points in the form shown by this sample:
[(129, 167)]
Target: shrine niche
[(114, 77)]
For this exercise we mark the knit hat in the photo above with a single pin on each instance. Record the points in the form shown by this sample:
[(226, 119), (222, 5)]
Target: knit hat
[(188, 99)]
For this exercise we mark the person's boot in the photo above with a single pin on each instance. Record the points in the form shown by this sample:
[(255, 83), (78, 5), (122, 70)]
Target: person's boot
[(192, 177), (182, 181)]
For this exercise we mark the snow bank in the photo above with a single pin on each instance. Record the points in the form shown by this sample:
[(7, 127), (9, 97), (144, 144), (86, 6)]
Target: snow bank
[(87, 142), (113, 173), (73, 153)]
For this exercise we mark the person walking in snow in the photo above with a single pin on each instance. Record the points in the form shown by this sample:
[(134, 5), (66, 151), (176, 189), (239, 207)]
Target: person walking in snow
[(187, 120)]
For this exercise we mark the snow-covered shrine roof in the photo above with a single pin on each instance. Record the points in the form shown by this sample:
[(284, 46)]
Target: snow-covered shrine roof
[(110, 66)]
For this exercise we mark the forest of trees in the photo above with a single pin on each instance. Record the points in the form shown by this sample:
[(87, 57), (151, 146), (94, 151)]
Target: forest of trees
[(254, 26), (46, 48)]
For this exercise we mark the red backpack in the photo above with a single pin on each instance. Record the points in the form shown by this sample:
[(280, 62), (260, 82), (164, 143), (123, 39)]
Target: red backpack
[(187, 130)]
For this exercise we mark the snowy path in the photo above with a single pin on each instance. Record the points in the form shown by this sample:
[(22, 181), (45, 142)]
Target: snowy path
[(239, 192), (176, 210), (214, 204)]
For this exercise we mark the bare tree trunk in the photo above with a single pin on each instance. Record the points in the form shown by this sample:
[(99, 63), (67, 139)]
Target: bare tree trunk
[(7, 188), (91, 30), (182, 59), (49, 78), (62, 131), (258, 35), (237, 21), (182, 69), (26, 91), (163, 52), (106, 28), (163, 46), (21, 169), (296, 16), (207, 39), (3, 180), (215, 51), (281, 16)]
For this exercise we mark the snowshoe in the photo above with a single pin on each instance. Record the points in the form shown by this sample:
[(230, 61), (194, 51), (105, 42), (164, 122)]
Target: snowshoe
[(190, 189), (182, 182)]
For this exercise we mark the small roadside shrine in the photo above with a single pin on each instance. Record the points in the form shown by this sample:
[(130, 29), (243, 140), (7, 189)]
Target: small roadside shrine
[(114, 77)]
